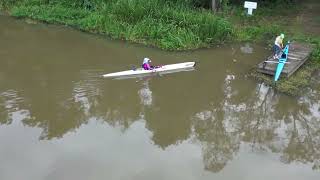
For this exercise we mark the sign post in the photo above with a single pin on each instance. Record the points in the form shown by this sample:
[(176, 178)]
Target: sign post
[(251, 6)]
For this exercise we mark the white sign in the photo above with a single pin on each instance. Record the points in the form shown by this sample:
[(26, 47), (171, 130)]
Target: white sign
[(250, 5)]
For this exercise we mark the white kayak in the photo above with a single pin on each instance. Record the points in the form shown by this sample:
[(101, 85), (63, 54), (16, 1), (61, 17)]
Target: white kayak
[(163, 69)]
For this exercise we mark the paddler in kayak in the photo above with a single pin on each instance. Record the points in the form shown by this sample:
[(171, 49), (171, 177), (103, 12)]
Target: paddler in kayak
[(278, 45), (146, 65)]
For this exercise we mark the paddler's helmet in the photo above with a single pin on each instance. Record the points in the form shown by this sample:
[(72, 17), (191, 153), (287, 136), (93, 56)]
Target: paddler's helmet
[(282, 36), (146, 60)]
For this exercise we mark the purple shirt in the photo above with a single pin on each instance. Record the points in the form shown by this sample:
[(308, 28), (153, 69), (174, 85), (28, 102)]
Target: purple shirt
[(146, 66)]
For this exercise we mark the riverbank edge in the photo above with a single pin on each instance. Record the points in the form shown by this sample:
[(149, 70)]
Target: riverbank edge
[(211, 29), (293, 85), (166, 27)]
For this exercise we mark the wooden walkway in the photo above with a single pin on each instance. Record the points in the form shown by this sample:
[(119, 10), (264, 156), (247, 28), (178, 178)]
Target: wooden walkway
[(298, 54)]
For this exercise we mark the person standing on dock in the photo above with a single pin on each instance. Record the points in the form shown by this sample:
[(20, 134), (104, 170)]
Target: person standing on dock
[(278, 45)]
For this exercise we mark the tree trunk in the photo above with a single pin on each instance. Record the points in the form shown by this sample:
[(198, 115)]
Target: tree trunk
[(215, 5)]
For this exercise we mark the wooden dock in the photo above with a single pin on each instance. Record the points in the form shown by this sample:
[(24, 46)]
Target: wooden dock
[(298, 54)]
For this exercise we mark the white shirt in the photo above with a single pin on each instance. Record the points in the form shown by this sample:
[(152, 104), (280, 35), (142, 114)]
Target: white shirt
[(278, 41)]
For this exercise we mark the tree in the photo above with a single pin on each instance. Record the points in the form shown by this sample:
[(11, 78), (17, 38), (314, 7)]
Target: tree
[(215, 4)]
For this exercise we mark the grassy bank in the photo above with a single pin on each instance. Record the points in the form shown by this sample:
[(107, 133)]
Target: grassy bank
[(170, 25), (166, 24)]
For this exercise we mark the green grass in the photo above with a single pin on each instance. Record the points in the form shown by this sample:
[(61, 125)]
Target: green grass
[(170, 26), (258, 32), (167, 24), (267, 21)]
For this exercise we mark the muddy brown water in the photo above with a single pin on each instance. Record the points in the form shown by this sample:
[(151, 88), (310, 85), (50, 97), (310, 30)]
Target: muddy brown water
[(60, 120)]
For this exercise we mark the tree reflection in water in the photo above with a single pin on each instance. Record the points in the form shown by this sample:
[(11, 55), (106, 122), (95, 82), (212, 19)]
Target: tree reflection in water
[(266, 120), (11, 104), (218, 145)]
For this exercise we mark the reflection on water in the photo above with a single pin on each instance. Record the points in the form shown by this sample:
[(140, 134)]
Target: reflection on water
[(10, 103), (267, 121), (57, 111), (145, 94), (246, 48)]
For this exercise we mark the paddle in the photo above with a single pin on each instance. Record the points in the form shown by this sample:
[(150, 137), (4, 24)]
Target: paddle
[(275, 62)]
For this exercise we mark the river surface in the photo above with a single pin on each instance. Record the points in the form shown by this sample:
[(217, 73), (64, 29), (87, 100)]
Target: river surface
[(60, 120)]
